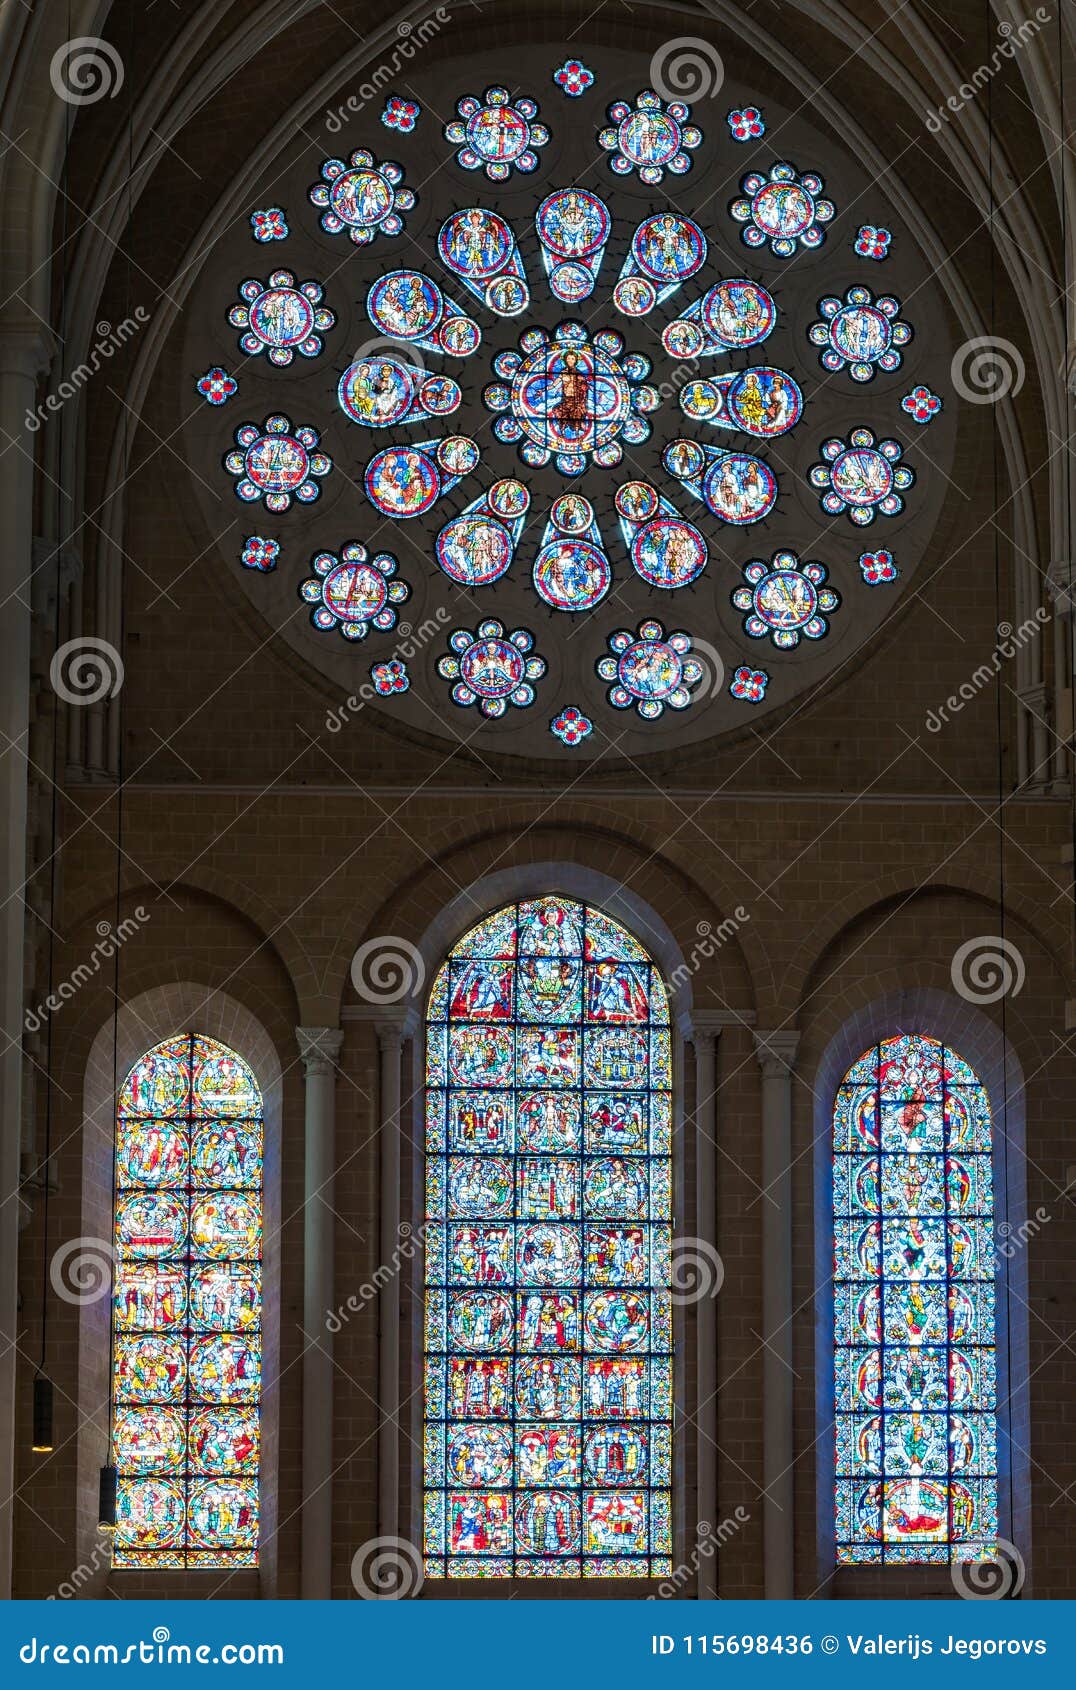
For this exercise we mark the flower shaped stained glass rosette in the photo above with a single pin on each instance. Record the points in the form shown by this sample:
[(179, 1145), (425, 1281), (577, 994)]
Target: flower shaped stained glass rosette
[(921, 404), (216, 386), (749, 684), (877, 568), (573, 227), (571, 397), (650, 670), (476, 547), (571, 727), (407, 305), (734, 486), (497, 134), (763, 402), (785, 599), (666, 250), (573, 77), (281, 317), (746, 125), (491, 668), (665, 550), (384, 391), (354, 592), (733, 314), (479, 247), (860, 333), (400, 113), (650, 137), (277, 463), (872, 242), (361, 196), (784, 210), (260, 553), (407, 481), (862, 477), (571, 571), (390, 677), (269, 225)]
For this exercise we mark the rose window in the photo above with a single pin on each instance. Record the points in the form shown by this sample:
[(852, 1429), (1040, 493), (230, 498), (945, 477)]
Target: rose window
[(533, 364)]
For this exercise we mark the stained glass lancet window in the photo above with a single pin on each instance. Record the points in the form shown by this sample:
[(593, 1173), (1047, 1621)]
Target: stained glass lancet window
[(548, 1343), (186, 1364), (916, 1428)]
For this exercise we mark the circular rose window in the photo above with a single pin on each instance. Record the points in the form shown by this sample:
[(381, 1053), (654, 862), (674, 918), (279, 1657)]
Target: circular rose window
[(539, 439)]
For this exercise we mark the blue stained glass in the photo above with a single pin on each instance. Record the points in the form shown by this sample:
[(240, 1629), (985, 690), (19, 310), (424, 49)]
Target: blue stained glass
[(186, 1377), (548, 1328), (914, 1363)]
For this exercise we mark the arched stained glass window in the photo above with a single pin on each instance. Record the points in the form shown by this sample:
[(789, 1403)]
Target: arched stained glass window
[(914, 1269), (186, 1330), (548, 1342)]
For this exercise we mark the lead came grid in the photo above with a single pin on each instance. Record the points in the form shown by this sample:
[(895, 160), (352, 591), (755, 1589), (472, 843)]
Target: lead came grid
[(548, 1320), (187, 1309), (914, 1293)]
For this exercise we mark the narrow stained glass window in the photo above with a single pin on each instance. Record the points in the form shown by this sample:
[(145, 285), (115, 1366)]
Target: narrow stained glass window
[(186, 1326), (548, 1341), (914, 1271)]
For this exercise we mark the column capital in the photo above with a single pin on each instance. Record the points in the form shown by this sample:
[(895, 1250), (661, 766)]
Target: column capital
[(1059, 585), (776, 1051), (393, 1023), (27, 347), (698, 1025), (319, 1048)]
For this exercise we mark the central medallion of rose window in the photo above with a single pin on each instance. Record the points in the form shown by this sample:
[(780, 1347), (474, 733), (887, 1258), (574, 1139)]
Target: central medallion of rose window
[(572, 397)]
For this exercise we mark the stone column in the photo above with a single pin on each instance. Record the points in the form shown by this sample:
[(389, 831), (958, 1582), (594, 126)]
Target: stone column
[(776, 1053), (25, 349), (319, 1048)]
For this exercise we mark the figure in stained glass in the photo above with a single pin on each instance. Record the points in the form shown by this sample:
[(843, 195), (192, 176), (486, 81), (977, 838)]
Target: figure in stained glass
[(548, 1389), (916, 1441), (186, 1379)]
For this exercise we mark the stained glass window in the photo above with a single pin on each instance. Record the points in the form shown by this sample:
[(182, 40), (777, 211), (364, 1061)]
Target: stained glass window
[(186, 1325), (915, 1395), (548, 1342)]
